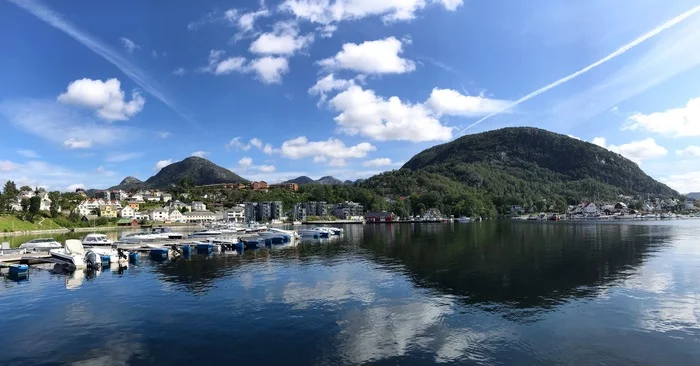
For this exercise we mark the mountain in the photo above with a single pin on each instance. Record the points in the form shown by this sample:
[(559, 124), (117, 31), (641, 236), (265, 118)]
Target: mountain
[(693, 195), (301, 180), (525, 164), (323, 180), (128, 183), (198, 171)]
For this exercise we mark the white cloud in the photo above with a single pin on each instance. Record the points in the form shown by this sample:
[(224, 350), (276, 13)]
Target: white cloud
[(106, 97), (162, 164), (452, 102), (245, 21), (283, 40), (74, 186), (73, 143), (7, 166), (129, 45), (217, 66), (332, 150), (164, 134), (245, 162), (61, 125), (690, 151), (684, 183), (105, 51), (636, 151), (266, 168), (179, 71), (328, 84), (676, 122), (269, 69), (267, 149), (363, 112), (108, 173), (636, 42), (256, 142), (200, 153), (331, 11), (28, 154), (35, 173), (121, 157), (236, 144), (377, 162), (326, 31), (371, 57)]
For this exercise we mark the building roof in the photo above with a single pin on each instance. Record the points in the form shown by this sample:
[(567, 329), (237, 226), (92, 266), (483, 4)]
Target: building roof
[(198, 213), (125, 221)]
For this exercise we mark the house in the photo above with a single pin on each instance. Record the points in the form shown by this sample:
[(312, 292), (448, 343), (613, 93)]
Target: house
[(258, 186), (102, 195), (166, 197), (590, 208), (289, 186), (118, 195), (608, 209), (136, 197), (176, 216), (109, 211), (198, 206), (151, 198), (379, 217), (178, 205), (134, 205), (127, 212), (142, 216), (620, 206), (45, 202), (127, 222), (199, 216), (235, 214), (160, 214), (689, 205), (517, 210)]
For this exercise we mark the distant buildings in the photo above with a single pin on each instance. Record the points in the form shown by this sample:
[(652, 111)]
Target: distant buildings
[(198, 206), (379, 217), (199, 216), (262, 211), (235, 214), (289, 186), (348, 210)]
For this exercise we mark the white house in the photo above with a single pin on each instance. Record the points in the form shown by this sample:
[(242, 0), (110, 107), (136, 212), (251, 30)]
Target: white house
[(590, 208), (127, 212), (142, 215), (199, 216), (137, 197), (198, 206), (166, 197), (176, 216), (45, 202), (235, 214), (160, 214)]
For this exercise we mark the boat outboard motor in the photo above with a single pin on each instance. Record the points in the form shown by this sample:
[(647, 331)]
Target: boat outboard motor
[(92, 260), (121, 254)]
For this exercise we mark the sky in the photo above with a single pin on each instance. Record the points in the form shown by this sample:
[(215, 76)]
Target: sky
[(94, 91)]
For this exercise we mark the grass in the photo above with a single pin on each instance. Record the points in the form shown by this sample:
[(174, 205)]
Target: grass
[(10, 223)]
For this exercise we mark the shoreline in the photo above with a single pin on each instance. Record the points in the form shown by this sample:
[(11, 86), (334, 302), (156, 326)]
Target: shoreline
[(82, 230)]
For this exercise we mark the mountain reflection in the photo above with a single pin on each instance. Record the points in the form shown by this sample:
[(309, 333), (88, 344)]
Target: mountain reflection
[(518, 267)]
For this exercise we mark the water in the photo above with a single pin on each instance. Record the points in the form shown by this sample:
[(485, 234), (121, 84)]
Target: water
[(487, 293)]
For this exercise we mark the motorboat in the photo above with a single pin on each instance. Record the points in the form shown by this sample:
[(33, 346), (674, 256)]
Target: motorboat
[(532, 218), (166, 233), (205, 233), (138, 237), (649, 216), (41, 244), (286, 235), (668, 215), (97, 240), (254, 227), (112, 255), (317, 232), (72, 254), (554, 217), (464, 219), (296, 223)]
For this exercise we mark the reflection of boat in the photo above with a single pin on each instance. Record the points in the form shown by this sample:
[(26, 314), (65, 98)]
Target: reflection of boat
[(75, 279), (97, 239), (72, 254), (41, 244)]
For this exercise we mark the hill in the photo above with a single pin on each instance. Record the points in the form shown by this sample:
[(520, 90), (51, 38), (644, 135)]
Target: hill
[(693, 195), (128, 183), (197, 171), (523, 161), (323, 180)]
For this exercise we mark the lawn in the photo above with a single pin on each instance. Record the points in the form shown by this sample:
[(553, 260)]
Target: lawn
[(11, 223)]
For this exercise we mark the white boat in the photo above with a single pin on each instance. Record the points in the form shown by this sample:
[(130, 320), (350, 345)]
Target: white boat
[(138, 237), (464, 219), (72, 254), (649, 216), (166, 233), (205, 233), (320, 232), (336, 230), (274, 232), (668, 216), (97, 239), (115, 255), (254, 227), (41, 244), (296, 223)]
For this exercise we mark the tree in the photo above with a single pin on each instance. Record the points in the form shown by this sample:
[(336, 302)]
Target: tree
[(26, 189), (9, 194), (183, 209), (25, 205), (55, 198), (34, 205)]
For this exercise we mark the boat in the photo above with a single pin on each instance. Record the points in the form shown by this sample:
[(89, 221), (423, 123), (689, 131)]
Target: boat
[(296, 223), (554, 217), (119, 256), (317, 232), (279, 233), (254, 227), (96, 239), (464, 219), (166, 233), (72, 254), (625, 217), (649, 216), (532, 218), (668, 216), (138, 237), (41, 244), (205, 233)]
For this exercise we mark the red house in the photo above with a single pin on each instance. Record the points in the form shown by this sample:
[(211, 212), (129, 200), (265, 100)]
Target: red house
[(379, 217)]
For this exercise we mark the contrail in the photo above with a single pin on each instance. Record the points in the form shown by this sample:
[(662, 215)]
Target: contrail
[(132, 71), (603, 60)]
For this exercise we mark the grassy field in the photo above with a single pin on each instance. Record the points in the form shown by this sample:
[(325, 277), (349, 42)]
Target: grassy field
[(12, 223)]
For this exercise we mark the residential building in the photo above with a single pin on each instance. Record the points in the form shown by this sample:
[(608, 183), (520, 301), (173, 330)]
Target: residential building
[(379, 217), (134, 205), (348, 210), (127, 212), (299, 212), (262, 185), (166, 197), (102, 195), (235, 214), (250, 211), (198, 206), (160, 214), (289, 186), (142, 215), (199, 216), (590, 208), (176, 216), (264, 211), (316, 208), (276, 210), (118, 195), (109, 211), (178, 204), (151, 198), (45, 202)]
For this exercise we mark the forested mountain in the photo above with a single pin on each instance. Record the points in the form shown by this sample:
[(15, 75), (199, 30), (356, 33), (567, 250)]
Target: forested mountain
[(128, 183), (323, 180), (693, 195), (301, 180), (198, 171)]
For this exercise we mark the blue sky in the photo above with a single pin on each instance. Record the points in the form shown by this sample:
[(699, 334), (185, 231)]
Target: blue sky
[(93, 91)]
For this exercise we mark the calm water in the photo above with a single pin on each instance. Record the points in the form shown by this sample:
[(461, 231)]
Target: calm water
[(481, 293)]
